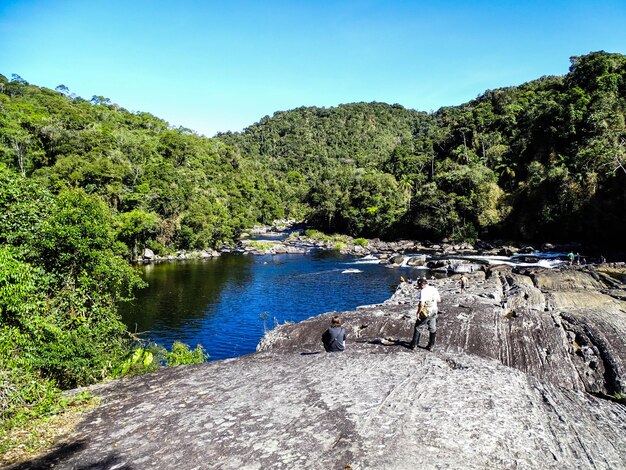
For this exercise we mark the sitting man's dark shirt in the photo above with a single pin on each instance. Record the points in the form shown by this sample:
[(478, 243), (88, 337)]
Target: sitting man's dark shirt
[(334, 338)]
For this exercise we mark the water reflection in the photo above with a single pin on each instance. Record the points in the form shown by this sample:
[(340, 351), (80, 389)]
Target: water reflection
[(179, 292), (225, 303)]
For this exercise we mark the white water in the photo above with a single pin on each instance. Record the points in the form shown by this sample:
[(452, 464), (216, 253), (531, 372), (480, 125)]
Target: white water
[(369, 259), (544, 260)]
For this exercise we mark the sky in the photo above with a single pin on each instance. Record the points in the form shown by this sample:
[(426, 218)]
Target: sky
[(217, 66)]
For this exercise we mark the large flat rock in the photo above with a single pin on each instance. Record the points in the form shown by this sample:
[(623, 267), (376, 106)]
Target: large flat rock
[(330, 411), (567, 327), (526, 374)]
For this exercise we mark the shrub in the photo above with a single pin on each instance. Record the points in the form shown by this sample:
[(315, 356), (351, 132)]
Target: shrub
[(316, 235), (181, 355), (361, 242), (157, 247), (261, 246), (24, 394), (141, 360)]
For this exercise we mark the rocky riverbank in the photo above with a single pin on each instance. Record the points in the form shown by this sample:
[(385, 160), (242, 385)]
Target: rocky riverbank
[(287, 237), (528, 372), (564, 326)]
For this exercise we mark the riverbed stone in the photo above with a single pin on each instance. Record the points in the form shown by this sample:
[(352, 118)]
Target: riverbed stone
[(396, 260), (148, 254), (419, 260)]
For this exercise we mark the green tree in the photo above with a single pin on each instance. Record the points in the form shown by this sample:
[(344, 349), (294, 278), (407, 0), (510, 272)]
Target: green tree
[(136, 227)]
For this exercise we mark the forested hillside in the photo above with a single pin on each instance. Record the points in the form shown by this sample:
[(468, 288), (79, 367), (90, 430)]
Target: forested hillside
[(543, 160), (166, 187), (84, 184), (538, 161)]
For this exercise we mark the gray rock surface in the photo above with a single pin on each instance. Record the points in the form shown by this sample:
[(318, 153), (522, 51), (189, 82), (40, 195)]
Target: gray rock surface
[(565, 326), (521, 378)]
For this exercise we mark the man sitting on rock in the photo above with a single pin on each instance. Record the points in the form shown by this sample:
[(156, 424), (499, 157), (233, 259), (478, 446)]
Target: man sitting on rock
[(426, 313), (334, 338)]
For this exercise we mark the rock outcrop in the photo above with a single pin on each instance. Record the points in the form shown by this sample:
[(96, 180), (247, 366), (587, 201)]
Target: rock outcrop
[(528, 372), (566, 327)]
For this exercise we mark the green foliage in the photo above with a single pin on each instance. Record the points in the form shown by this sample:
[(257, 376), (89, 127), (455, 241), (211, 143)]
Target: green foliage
[(139, 361), (23, 205), (357, 202), (261, 246), (364, 169), (59, 284), (361, 242), (182, 355), (316, 235), (165, 185), (143, 359), (20, 295), (136, 227), (31, 430), (323, 237), (24, 395)]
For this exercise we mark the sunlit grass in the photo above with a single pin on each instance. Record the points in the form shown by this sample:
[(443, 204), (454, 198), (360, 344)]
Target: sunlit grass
[(25, 437)]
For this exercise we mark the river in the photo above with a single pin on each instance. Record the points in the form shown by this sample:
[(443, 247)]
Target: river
[(226, 303)]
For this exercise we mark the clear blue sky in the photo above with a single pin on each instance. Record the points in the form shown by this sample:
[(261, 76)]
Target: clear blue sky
[(223, 65)]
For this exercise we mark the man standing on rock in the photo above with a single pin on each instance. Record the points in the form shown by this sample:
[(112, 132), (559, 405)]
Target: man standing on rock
[(426, 313), (463, 281)]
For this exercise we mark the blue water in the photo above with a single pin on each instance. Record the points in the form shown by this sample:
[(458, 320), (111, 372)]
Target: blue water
[(226, 303)]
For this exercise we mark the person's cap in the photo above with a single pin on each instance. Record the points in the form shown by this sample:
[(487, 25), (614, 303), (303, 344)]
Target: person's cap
[(421, 281)]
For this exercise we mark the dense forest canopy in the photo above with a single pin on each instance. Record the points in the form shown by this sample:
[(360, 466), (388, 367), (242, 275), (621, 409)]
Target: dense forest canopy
[(543, 160), (538, 161), (85, 183)]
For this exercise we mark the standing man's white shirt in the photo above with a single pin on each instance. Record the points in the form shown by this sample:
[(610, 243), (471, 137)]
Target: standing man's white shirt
[(426, 313), (429, 294)]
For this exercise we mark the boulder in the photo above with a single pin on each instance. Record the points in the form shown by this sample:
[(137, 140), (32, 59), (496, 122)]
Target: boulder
[(464, 267), (508, 251), (523, 319), (371, 407), (416, 260), (148, 254), (483, 245), (396, 259), (279, 249), (437, 263)]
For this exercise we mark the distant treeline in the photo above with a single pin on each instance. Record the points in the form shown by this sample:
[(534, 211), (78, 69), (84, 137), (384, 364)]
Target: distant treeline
[(84, 183), (539, 161)]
